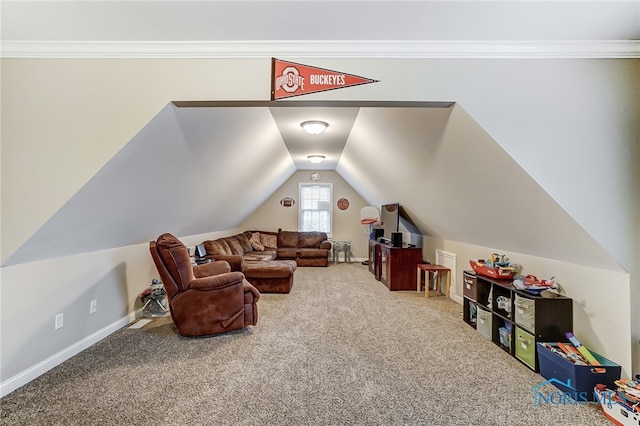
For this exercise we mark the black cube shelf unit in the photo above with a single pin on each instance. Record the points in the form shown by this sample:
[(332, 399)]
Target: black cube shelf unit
[(515, 320)]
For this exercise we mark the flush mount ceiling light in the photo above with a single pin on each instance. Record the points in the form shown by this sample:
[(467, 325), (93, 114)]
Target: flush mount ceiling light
[(314, 127), (316, 158)]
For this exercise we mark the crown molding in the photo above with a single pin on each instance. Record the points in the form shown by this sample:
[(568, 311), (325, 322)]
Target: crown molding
[(593, 49)]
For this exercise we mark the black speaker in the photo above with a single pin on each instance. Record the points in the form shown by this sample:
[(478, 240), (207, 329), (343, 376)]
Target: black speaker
[(396, 239), (377, 233)]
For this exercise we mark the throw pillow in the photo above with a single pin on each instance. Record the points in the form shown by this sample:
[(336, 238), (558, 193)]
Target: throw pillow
[(255, 242), (270, 241)]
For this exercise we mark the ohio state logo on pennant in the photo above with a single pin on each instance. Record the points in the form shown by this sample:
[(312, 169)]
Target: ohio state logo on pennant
[(292, 79)]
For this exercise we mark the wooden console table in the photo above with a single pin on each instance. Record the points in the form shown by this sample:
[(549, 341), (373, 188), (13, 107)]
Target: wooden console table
[(395, 267), (442, 273)]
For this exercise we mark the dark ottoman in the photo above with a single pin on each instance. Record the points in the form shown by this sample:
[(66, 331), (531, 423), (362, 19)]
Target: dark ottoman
[(275, 276)]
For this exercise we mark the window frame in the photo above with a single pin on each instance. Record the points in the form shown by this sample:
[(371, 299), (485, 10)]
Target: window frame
[(301, 187)]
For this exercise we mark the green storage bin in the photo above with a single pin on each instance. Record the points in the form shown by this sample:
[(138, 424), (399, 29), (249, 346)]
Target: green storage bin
[(525, 347)]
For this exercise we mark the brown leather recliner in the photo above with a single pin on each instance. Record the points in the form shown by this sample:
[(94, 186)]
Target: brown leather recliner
[(203, 299)]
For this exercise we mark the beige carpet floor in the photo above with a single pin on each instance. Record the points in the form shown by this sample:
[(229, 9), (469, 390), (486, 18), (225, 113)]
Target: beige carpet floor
[(340, 349)]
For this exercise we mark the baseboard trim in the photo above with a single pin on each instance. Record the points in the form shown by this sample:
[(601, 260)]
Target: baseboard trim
[(21, 379)]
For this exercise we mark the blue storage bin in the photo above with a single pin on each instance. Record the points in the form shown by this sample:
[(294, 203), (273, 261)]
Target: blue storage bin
[(505, 335), (583, 377)]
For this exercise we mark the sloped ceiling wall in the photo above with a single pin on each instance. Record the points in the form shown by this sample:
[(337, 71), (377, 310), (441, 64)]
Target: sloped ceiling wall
[(186, 172), (197, 170), (458, 184)]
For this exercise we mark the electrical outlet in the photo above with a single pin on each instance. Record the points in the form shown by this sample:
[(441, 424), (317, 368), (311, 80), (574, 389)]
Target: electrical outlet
[(59, 321), (93, 306)]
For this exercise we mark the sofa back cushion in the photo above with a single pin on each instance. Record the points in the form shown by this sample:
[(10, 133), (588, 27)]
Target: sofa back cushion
[(219, 247), (234, 245), (288, 239), (311, 239), (175, 258), (243, 239)]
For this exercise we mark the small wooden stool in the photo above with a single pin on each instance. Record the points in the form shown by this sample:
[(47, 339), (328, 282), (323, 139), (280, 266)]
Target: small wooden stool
[(441, 272)]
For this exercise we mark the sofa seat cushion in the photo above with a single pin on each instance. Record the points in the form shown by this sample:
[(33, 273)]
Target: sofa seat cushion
[(288, 253), (313, 252), (260, 256)]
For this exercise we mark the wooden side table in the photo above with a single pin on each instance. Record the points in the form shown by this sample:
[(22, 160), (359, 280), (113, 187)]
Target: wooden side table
[(442, 272)]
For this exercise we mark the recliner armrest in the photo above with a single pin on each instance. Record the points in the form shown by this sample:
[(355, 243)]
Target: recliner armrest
[(249, 288), (214, 282), (235, 260), (213, 268)]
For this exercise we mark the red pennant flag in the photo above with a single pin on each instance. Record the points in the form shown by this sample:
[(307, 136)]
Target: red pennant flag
[(291, 79)]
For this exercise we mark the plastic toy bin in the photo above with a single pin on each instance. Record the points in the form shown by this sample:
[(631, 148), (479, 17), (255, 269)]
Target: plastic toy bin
[(470, 286), (582, 378), (484, 323), (505, 336), (525, 314), (525, 347)]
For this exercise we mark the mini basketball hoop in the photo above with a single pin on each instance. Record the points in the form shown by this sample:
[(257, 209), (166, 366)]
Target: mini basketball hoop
[(369, 215)]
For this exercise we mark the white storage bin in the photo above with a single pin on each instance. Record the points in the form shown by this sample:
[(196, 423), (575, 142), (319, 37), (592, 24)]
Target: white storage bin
[(484, 323), (525, 314)]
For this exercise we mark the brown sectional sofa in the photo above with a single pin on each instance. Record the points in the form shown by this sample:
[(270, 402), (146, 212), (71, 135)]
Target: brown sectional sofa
[(306, 248), (269, 259), (237, 250)]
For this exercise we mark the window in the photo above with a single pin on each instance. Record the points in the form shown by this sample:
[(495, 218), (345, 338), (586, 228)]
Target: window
[(315, 207)]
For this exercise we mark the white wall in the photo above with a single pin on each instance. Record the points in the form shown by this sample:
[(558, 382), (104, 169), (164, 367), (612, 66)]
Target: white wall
[(271, 216)]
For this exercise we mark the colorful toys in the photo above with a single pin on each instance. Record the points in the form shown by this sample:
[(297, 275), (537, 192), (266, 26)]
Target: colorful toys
[(496, 267), (622, 405), (532, 284), (584, 351)]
